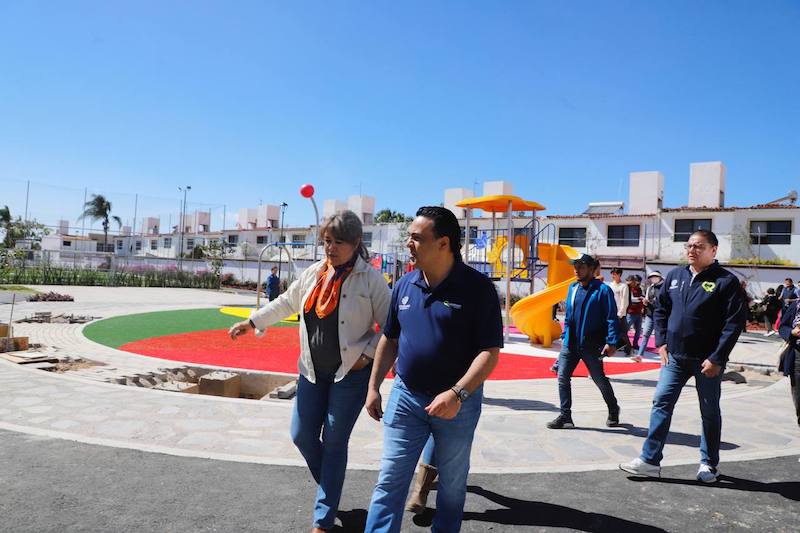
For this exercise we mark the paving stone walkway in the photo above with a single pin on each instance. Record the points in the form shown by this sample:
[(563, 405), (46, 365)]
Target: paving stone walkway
[(511, 437)]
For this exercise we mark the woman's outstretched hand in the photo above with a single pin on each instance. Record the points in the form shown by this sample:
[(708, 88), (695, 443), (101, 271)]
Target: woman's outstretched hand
[(239, 328)]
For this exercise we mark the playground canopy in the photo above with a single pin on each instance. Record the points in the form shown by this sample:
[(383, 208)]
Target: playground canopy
[(499, 203)]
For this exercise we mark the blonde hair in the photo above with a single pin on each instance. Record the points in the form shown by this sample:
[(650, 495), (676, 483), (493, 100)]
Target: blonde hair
[(346, 226)]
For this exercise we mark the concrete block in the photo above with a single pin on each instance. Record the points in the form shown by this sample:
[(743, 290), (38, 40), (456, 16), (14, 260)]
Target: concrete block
[(178, 386), (221, 383), (14, 344)]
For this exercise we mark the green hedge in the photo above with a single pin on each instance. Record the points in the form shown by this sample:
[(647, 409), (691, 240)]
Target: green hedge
[(115, 278)]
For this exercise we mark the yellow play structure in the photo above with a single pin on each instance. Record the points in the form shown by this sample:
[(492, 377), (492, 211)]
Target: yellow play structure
[(532, 315)]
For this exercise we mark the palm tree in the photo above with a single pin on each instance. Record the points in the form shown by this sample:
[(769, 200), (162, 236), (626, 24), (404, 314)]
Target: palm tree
[(98, 208)]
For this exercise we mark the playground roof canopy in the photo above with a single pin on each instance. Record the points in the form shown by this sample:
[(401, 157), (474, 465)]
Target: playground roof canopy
[(498, 203)]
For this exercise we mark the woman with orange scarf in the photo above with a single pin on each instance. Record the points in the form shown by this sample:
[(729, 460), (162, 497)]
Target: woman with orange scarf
[(340, 299)]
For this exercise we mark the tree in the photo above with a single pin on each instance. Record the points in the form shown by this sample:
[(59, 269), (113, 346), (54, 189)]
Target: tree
[(18, 229), (387, 215), (98, 208)]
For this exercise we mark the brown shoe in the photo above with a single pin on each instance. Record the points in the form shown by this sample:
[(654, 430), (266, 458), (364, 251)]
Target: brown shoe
[(422, 486)]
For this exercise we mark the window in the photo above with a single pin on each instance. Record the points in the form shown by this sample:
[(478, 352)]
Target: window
[(233, 239), (119, 245), (771, 232), (686, 226), (298, 240), (66, 243), (138, 246), (575, 237), (473, 233), (366, 238), (189, 244), (261, 239), (154, 244), (623, 236), (167, 242)]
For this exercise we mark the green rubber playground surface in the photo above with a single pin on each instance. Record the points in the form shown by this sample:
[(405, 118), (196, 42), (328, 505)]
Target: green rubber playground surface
[(120, 330)]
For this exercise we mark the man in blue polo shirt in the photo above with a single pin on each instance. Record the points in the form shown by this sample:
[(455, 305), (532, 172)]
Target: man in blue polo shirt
[(445, 332), (590, 332)]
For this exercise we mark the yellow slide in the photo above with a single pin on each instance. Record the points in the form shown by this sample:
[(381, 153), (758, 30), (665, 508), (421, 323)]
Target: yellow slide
[(533, 315)]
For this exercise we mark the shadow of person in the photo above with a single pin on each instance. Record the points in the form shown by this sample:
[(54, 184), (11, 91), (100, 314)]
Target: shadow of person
[(788, 489), (520, 404), (518, 512), (352, 521), (674, 437), (637, 381)]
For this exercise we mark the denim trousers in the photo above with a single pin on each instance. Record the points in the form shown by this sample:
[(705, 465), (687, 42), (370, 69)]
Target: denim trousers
[(323, 418), (636, 322), (406, 429), (671, 381), (647, 330), (567, 361)]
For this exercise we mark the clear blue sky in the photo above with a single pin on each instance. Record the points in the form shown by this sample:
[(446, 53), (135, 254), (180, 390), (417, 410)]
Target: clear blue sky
[(245, 101)]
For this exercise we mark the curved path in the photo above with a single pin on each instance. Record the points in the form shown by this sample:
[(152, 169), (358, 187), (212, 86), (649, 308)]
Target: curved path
[(511, 437)]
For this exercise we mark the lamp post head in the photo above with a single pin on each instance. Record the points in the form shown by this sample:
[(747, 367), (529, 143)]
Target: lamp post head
[(307, 190)]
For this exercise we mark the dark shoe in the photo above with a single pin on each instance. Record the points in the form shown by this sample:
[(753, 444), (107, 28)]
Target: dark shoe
[(422, 485), (554, 368), (613, 418), (627, 349), (561, 422)]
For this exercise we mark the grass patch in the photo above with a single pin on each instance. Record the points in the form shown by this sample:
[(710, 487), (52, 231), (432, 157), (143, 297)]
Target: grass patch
[(18, 288), (120, 330)]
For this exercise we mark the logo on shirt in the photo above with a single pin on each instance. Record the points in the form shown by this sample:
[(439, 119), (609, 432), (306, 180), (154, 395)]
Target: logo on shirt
[(708, 286), (403, 304), (674, 284)]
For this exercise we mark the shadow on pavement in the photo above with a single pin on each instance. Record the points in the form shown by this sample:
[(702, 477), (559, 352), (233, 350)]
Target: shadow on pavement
[(530, 513), (674, 437), (642, 382), (788, 489), (520, 404), (352, 521)]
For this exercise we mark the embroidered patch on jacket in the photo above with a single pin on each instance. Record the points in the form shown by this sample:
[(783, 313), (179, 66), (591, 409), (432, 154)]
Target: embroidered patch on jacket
[(708, 286)]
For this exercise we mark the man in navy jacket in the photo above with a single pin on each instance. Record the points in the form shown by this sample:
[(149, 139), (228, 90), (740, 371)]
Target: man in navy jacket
[(590, 332), (699, 315), (789, 330)]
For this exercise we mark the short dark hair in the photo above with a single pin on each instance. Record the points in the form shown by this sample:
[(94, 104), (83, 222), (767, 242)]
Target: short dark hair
[(789, 280), (445, 224), (708, 235), (616, 270)]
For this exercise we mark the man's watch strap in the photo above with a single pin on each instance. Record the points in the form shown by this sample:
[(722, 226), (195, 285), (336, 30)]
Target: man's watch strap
[(252, 324), (461, 394)]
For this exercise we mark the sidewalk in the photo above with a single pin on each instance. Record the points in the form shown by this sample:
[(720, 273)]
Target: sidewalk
[(511, 437)]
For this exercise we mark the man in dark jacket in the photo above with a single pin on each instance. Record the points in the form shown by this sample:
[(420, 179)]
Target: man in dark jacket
[(789, 330), (650, 298), (698, 318), (590, 331)]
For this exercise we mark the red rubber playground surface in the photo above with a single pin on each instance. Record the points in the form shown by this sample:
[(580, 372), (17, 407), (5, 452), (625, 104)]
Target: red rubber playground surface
[(278, 351)]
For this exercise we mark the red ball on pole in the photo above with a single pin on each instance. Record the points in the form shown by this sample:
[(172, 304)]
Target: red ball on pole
[(307, 190)]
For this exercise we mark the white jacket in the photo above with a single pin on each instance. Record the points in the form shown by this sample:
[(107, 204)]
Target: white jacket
[(363, 301)]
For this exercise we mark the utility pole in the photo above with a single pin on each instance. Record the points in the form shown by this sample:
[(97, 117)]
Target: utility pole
[(284, 205), (135, 209), (27, 194), (83, 219), (183, 214)]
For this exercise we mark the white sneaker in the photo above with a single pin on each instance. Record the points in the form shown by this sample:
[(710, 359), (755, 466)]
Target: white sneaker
[(771, 333), (707, 474), (637, 467)]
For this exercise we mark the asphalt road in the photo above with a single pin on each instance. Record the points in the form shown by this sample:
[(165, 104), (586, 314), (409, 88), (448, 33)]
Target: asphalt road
[(49, 485)]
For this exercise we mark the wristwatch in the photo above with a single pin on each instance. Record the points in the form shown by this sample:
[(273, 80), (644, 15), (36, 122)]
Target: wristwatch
[(461, 394)]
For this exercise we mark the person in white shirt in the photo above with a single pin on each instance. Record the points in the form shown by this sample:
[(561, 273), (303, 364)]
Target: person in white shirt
[(622, 297)]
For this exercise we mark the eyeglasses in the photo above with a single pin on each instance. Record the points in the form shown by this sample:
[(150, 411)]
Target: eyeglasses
[(698, 247)]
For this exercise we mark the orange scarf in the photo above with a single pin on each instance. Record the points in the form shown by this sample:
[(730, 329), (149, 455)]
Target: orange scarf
[(324, 296)]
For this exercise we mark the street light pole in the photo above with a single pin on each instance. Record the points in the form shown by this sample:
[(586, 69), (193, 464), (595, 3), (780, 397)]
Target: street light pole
[(183, 214), (280, 238)]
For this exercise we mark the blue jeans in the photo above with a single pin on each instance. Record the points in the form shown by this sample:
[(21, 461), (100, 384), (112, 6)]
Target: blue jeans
[(429, 453), (647, 330), (406, 429), (567, 361), (636, 322), (670, 383), (323, 418)]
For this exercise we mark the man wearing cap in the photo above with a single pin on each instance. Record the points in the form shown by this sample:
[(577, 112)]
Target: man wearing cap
[(590, 331), (650, 296)]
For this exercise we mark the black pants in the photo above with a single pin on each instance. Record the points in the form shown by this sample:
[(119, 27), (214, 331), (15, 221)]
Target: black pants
[(794, 380)]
